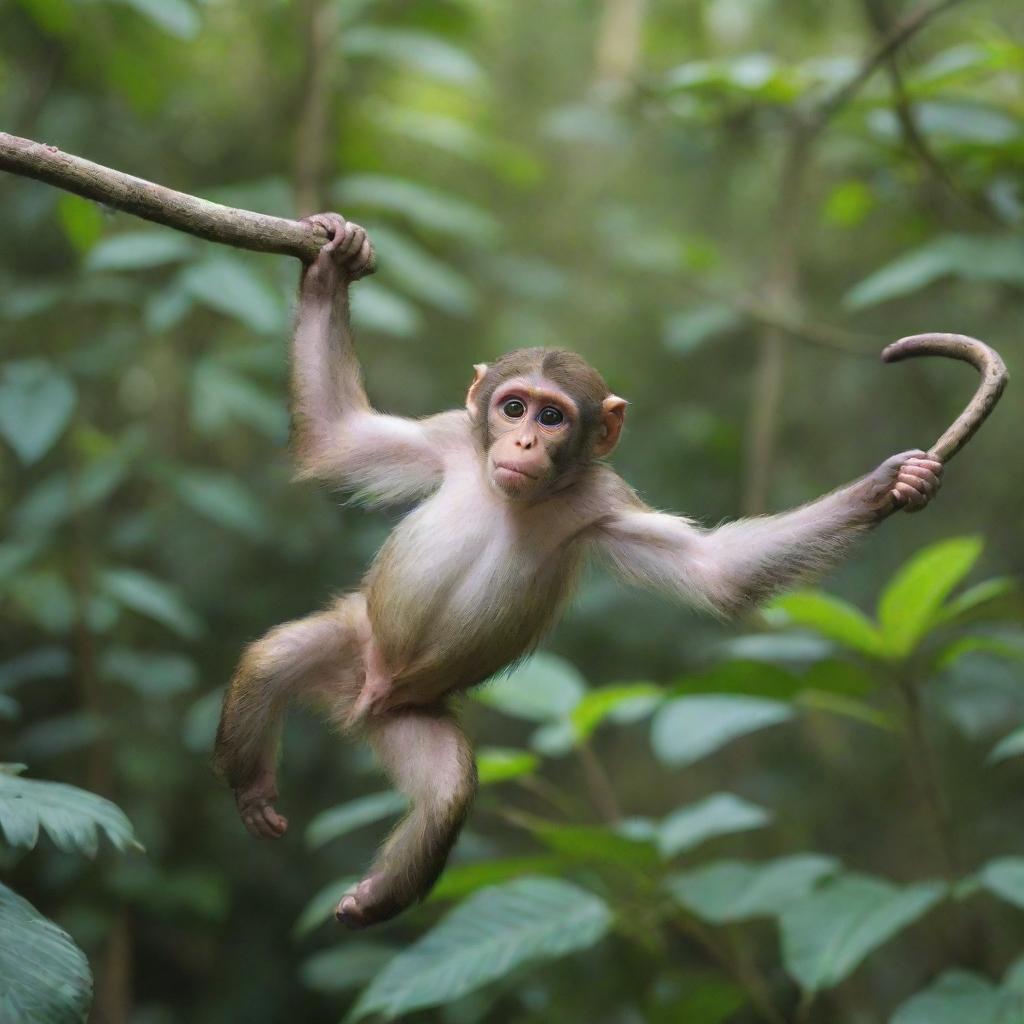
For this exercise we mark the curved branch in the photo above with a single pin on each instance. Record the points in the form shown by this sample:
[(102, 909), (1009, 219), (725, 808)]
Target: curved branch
[(242, 229)]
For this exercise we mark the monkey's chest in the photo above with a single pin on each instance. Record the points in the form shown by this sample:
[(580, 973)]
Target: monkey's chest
[(451, 604)]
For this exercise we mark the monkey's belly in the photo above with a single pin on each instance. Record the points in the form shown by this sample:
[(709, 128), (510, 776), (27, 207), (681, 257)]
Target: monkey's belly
[(442, 638)]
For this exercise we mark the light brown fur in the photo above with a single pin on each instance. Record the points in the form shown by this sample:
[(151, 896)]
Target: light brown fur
[(511, 495)]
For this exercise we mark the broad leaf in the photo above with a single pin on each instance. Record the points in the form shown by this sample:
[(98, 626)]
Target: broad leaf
[(976, 597), (827, 933), (229, 285), (973, 258), (150, 673), (222, 499), (960, 997), (732, 890), (832, 617), (321, 907), (689, 728), (626, 703), (500, 764), (430, 209), (595, 844), (148, 596), (1004, 877), (73, 818), (542, 688), (44, 976), (376, 308), (344, 967), (347, 817), (176, 17), (460, 880), (36, 403), (910, 602), (1011, 745), (420, 51), (716, 815), (138, 250), (494, 932)]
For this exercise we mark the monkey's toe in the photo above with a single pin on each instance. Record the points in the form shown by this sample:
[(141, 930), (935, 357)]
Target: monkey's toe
[(350, 914), (262, 821)]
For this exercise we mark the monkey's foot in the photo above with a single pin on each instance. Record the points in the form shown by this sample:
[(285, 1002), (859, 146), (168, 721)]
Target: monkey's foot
[(367, 903), (255, 806)]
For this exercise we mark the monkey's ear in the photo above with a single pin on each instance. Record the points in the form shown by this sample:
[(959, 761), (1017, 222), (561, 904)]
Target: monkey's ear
[(479, 372), (613, 415)]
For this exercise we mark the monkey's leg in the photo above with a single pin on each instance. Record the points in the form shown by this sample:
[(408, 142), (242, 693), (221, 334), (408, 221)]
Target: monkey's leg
[(317, 659), (429, 759)]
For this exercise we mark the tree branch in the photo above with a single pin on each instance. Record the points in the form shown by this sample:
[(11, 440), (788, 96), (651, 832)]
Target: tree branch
[(242, 229)]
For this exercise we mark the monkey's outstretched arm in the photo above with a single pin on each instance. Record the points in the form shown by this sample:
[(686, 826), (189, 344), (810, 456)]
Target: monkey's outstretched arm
[(740, 564), (336, 433)]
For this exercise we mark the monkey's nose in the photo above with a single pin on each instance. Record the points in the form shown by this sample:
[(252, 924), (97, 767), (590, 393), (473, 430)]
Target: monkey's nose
[(526, 442)]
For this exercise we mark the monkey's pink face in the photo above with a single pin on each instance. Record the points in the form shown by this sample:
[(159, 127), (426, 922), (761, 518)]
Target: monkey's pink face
[(529, 421)]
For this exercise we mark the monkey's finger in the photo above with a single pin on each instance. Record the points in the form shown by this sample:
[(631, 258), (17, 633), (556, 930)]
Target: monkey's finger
[(914, 499), (916, 484), (365, 254), (353, 242), (276, 823), (921, 472)]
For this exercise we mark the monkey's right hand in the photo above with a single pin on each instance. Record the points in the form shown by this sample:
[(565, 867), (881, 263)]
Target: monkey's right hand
[(347, 255)]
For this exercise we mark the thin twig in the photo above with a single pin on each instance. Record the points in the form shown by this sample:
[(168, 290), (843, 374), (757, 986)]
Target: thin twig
[(242, 229)]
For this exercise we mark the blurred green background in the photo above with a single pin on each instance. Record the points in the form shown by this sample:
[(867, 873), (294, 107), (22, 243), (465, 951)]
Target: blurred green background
[(709, 202)]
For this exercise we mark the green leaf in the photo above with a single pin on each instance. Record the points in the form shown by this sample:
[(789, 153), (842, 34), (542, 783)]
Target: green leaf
[(733, 890), (960, 997), (36, 403), (159, 674), (827, 933), (500, 764), (847, 707), (717, 815), (752, 678), (41, 663), (460, 880), (975, 597), (689, 728), (832, 617), (432, 210), (626, 703), (1010, 745), (909, 603), (376, 308), (139, 250), (420, 51), (687, 331), (420, 273), (71, 817), (344, 967), (1004, 877), (594, 844), (347, 817), (229, 285), (494, 932), (221, 498), (321, 907), (972, 258), (44, 976), (148, 596), (176, 17), (220, 395), (543, 688)]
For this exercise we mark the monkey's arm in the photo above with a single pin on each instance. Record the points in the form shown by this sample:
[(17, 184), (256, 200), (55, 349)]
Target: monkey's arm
[(337, 435), (740, 564)]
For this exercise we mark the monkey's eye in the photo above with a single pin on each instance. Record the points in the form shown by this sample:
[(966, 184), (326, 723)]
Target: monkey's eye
[(513, 409), (550, 417)]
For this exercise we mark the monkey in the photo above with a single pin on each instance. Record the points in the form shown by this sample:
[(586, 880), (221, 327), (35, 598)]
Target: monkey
[(509, 497)]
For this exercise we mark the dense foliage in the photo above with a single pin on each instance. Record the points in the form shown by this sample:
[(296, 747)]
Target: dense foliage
[(810, 816)]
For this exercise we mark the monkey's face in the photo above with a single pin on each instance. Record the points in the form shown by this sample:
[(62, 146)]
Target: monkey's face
[(534, 431)]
